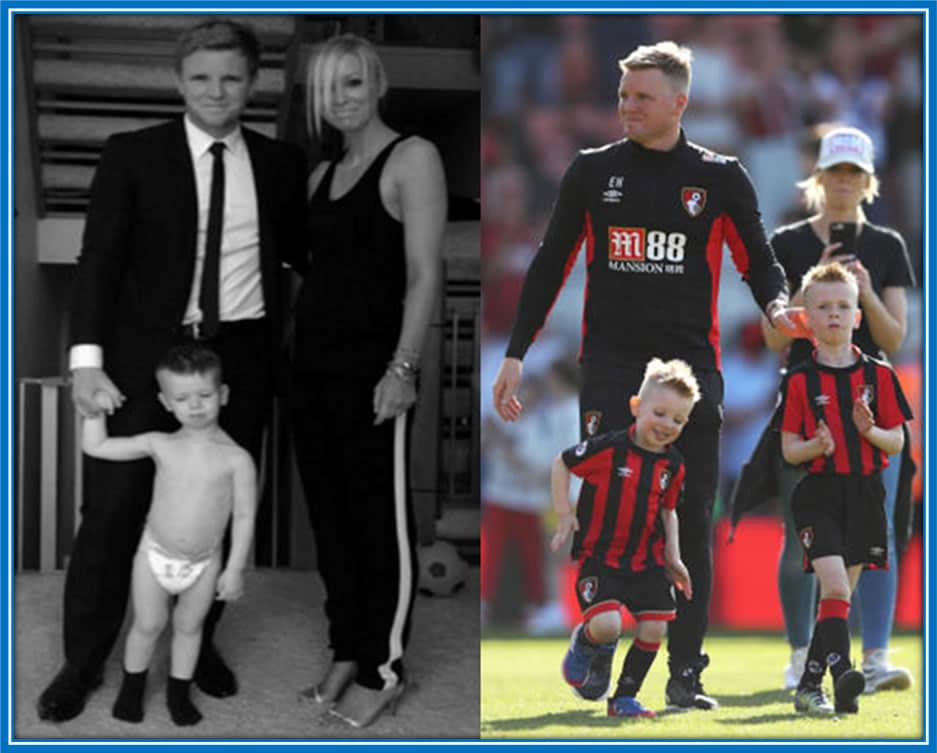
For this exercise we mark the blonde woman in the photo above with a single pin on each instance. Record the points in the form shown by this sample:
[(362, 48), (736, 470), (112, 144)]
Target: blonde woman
[(376, 211)]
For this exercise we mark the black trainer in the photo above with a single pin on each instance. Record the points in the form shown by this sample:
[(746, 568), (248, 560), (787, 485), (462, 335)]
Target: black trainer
[(847, 689), (685, 690)]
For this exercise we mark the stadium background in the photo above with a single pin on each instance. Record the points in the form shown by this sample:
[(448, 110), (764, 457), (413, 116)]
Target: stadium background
[(762, 84)]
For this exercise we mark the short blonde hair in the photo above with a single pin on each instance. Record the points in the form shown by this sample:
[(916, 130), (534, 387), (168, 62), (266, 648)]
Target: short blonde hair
[(832, 272), (675, 374), (321, 71), (671, 59)]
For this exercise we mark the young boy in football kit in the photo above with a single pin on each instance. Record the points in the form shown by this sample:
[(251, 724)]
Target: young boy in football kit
[(843, 413), (625, 538)]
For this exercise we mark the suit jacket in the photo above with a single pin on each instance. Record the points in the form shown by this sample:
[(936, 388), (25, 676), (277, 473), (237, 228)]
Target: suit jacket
[(138, 250)]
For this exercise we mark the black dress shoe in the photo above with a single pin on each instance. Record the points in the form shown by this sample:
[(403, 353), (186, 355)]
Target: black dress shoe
[(212, 675), (65, 697)]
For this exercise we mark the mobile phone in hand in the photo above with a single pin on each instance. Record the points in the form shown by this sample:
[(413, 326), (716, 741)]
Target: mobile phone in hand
[(845, 234)]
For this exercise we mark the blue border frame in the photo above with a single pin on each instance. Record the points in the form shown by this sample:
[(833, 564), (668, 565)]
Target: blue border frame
[(9, 8)]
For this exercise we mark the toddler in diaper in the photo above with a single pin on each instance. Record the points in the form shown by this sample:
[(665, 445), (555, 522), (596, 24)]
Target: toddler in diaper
[(203, 481)]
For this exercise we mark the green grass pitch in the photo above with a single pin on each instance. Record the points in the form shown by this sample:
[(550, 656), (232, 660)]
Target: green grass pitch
[(524, 696)]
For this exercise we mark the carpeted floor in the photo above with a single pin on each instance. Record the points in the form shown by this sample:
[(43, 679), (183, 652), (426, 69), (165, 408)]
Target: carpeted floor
[(275, 638)]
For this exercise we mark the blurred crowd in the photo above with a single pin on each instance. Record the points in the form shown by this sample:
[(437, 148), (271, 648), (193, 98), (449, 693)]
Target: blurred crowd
[(763, 86)]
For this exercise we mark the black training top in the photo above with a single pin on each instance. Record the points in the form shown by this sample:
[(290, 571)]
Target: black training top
[(881, 250), (654, 224)]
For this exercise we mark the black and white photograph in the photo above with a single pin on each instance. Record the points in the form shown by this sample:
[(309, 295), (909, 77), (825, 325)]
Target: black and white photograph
[(247, 306)]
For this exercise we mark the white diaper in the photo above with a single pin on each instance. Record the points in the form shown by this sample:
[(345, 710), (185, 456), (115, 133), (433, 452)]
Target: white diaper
[(175, 574)]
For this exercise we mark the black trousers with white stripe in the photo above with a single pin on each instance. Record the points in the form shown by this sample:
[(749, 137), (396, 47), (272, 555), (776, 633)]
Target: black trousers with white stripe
[(354, 479), (603, 406)]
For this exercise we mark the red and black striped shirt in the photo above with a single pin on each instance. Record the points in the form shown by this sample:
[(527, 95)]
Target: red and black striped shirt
[(624, 487), (813, 391)]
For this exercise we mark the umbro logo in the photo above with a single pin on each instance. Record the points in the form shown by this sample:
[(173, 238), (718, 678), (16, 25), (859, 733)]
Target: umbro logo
[(624, 471), (822, 399), (613, 194)]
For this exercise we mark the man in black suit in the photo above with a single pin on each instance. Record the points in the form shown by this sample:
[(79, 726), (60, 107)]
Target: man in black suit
[(139, 291)]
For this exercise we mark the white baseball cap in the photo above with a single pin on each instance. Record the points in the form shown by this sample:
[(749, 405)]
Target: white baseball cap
[(846, 145)]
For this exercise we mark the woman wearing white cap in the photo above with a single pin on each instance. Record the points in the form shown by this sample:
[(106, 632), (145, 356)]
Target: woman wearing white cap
[(845, 178)]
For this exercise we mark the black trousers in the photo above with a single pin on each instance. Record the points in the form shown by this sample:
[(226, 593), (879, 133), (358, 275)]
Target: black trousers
[(117, 496), (362, 520), (603, 406)]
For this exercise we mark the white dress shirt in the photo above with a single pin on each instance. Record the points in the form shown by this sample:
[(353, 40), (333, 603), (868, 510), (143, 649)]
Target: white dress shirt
[(241, 293)]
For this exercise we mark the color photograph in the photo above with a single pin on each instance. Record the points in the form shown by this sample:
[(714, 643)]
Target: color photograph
[(703, 277)]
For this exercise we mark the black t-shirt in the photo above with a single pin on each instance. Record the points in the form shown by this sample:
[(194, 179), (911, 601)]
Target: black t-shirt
[(881, 250)]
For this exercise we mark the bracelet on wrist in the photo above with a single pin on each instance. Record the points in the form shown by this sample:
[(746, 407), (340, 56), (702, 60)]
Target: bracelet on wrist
[(404, 365), (404, 372)]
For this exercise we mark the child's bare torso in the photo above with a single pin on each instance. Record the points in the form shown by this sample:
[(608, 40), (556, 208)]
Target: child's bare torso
[(193, 492)]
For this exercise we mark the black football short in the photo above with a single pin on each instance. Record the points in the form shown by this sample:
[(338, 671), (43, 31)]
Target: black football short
[(648, 594), (836, 514)]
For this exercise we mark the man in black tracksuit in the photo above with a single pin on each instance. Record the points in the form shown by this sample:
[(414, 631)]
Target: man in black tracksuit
[(653, 212)]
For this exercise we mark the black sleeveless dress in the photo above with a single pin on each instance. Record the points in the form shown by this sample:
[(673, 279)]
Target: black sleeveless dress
[(348, 318), (350, 308)]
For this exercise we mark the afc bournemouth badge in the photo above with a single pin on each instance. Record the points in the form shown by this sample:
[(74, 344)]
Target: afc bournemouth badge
[(865, 393), (592, 418), (664, 479), (693, 200), (806, 537), (588, 587)]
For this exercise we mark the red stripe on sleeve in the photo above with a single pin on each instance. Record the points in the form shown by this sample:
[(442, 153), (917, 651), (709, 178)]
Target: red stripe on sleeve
[(737, 248), (795, 405), (714, 262), (567, 268), (889, 413), (590, 255), (594, 468)]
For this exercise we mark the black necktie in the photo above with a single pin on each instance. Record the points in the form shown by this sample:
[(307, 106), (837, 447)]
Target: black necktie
[(208, 295)]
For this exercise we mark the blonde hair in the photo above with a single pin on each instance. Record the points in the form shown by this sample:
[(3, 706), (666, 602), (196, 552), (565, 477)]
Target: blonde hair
[(321, 72), (669, 58), (815, 195), (813, 191), (675, 374), (832, 272)]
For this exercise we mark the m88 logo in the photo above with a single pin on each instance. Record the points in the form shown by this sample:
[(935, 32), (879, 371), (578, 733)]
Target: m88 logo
[(640, 244)]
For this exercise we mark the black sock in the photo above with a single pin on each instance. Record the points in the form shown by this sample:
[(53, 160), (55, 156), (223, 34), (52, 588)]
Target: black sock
[(637, 664), (815, 664), (181, 708), (129, 704), (834, 613), (837, 648)]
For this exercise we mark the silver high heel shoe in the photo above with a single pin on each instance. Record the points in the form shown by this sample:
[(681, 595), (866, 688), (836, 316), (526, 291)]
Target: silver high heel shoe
[(360, 706), (331, 687)]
